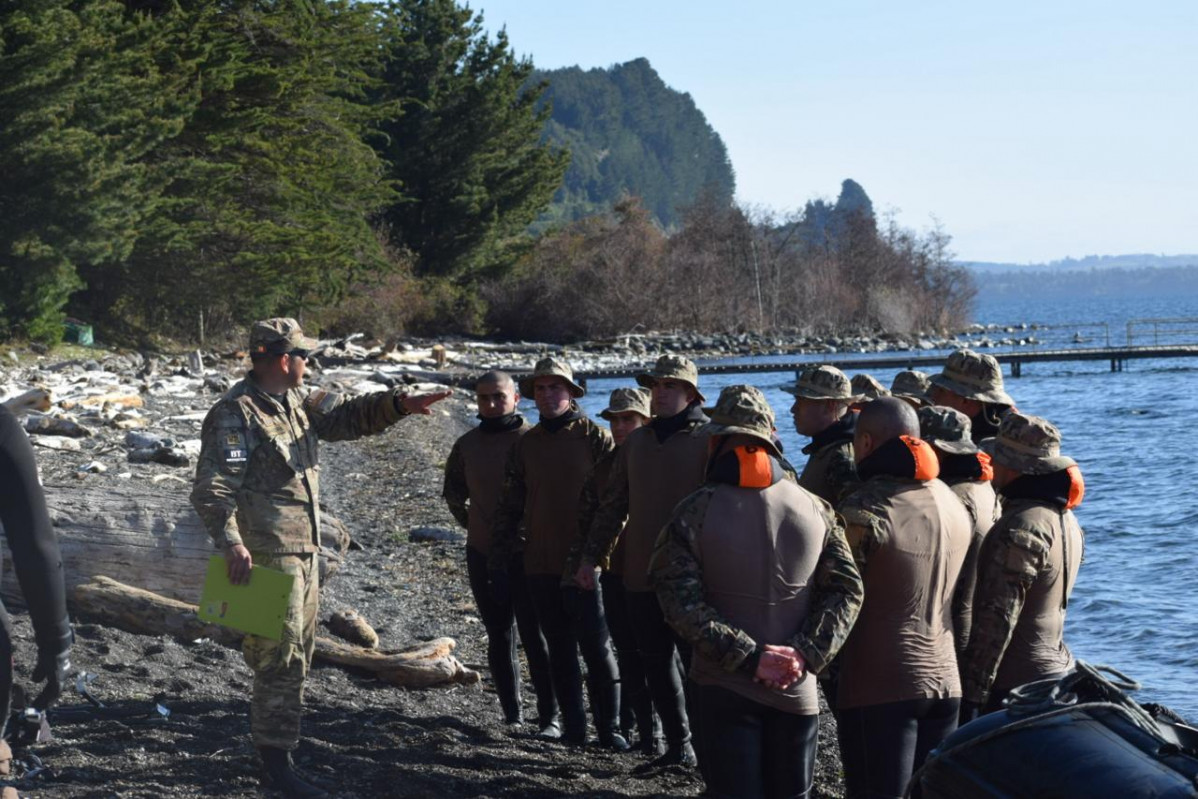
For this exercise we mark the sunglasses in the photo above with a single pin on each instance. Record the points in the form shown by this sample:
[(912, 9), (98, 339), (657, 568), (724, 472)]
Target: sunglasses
[(299, 354)]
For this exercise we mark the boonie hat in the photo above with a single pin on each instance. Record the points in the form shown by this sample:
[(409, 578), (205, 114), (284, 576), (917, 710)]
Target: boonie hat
[(277, 336), (911, 384), (974, 376), (745, 410), (627, 400), (673, 367), (822, 382), (551, 367), (1028, 444), (867, 388), (946, 429)]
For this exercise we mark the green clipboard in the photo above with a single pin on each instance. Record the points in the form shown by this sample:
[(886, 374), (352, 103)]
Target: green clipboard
[(258, 608)]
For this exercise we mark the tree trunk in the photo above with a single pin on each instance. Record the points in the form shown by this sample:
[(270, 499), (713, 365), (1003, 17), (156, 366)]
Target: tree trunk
[(145, 535), (108, 602)]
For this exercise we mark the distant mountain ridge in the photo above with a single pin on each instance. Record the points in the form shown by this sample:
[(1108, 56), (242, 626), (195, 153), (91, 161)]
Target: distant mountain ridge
[(1092, 276), (1096, 262)]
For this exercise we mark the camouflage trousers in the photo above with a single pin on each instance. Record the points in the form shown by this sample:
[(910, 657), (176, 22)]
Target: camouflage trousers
[(280, 667)]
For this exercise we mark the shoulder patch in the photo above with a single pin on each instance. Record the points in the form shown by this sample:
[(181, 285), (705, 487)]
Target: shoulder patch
[(233, 448), (323, 401)]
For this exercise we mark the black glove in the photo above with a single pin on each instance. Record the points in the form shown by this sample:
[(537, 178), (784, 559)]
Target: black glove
[(53, 666), (968, 712), (501, 586)]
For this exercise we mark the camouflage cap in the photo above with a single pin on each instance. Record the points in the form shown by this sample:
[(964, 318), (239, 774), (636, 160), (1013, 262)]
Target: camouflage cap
[(973, 375), (1028, 444), (866, 387), (742, 410), (912, 385), (627, 400), (946, 429), (822, 382), (672, 367), (277, 336), (551, 367)]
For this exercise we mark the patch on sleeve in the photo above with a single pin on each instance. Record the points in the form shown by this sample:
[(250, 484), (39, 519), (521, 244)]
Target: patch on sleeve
[(234, 448), (323, 401)]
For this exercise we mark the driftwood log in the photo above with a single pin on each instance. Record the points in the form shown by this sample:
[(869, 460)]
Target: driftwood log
[(143, 534), (105, 601)]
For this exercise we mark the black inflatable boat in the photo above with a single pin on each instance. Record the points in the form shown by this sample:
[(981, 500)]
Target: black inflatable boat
[(1078, 737)]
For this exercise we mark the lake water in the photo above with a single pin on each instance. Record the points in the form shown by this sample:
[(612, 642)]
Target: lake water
[(1129, 431)]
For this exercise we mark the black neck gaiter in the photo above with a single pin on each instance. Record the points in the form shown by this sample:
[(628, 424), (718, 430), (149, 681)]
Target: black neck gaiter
[(501, 424)]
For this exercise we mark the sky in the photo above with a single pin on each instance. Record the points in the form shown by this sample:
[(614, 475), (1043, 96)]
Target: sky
[(1028, 131)]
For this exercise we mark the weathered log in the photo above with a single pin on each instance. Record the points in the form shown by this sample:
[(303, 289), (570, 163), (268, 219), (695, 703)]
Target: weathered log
[(143, 534), (105, 601)]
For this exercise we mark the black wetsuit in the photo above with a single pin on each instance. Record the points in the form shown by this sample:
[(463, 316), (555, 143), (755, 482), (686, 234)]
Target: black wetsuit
[(35, 553)]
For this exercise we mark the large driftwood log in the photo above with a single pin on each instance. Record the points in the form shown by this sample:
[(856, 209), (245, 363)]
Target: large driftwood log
[(143, 534), (108, 602)]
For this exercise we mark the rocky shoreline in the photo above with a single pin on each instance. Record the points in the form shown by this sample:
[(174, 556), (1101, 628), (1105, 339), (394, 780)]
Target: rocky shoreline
[(174, 720)]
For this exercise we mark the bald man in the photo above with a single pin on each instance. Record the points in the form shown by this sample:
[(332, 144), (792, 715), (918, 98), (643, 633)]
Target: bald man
[(899, 690)]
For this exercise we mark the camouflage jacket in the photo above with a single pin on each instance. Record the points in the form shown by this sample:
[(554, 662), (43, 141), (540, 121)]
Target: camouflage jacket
[(1027, 567), (676, 573), (830, 472), (257, 481)]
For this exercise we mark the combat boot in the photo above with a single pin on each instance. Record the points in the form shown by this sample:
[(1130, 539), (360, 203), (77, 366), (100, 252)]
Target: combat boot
[(280, 773)]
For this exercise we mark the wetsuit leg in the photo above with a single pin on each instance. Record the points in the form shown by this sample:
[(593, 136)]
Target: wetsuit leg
[(663, 667), (6, 667), (536, 651), (877, 745), (729, 739), (937, 721), (636, 707), (545, 590), (499, 620), (594, 641), (790, 743)]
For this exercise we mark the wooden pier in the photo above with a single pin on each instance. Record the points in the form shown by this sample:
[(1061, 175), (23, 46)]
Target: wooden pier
[(897, 361)]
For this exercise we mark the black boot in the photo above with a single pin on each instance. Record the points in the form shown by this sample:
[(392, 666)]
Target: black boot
[(281, 774), (550, 730)]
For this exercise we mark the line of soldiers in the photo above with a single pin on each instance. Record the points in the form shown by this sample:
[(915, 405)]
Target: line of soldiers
[(707, 584)]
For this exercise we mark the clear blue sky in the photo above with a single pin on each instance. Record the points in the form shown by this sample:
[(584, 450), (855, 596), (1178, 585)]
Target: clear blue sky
[(1031, 130)]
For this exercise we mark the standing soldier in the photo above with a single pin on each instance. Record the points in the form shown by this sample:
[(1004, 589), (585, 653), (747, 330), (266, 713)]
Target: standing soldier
[(542, 483), (899, 690), (473, 478), (971, 383), (755, 573), (1027, 567), (257, 492), (823, 395), (600, 616), (658, 466), (967, 471)]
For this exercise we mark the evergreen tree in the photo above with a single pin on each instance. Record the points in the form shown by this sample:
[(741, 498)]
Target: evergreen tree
[(465, 147)]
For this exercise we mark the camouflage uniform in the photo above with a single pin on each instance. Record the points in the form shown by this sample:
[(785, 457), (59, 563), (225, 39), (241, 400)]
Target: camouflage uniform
[(1027, 569), (830, 472), (257, 484)]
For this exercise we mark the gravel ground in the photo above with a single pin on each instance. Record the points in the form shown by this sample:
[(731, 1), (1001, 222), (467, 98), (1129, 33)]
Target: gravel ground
[(362, 738)]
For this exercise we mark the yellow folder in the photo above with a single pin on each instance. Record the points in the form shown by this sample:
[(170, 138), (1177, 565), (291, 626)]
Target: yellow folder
[(258, 608)]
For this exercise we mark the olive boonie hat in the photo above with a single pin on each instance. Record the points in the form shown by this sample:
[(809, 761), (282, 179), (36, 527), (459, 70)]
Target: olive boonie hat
[(974, 376), (946, 429), (627, 400), (277, 336), (913, 385), (744, 410), (822, 382), (551, 367), (1028, 444), (866, 387), (672, 367)]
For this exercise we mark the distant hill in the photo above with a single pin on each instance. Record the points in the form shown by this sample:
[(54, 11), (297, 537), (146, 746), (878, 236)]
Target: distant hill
[(630, 133), (1092, 276)]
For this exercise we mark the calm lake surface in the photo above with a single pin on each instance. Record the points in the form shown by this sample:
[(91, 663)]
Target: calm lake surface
[(1129, 431)]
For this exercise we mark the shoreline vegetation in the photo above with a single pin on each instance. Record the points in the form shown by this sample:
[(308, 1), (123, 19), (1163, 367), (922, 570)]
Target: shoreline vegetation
[(175, 170)]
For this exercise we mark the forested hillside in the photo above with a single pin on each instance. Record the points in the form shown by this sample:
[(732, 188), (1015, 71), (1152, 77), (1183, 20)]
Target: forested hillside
[(629, 133)]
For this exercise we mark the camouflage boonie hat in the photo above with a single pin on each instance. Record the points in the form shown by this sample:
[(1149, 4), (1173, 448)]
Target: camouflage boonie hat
[(822, 382), (867, 388), (744, 410), (947, 429), (1028, 444), (911, 384), (627, 400), (672, 367), (974, 376), (277, 336), (551, 367)]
